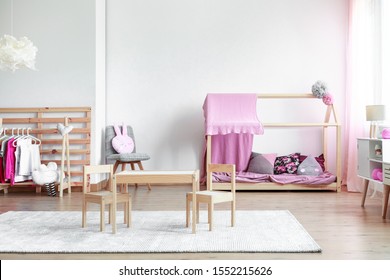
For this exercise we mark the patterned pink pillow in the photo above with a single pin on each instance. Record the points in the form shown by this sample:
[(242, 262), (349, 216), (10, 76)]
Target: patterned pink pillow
[(287, 164)]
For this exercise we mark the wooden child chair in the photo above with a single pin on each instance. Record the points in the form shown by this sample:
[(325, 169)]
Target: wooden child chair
[(105, 197), (212, 197)]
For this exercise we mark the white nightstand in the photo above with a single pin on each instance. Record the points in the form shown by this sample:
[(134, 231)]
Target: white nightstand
[(373, 154)]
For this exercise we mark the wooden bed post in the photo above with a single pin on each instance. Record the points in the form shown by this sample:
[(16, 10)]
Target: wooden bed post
[(338, 150), (325, 134), (330, 110), (208, 159)]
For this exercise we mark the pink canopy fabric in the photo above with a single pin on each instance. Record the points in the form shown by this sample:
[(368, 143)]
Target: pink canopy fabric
[(231, 113), (232, 120)]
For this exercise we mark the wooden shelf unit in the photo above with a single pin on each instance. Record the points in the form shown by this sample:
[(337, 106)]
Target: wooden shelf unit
[(368, 160), (43, 123)]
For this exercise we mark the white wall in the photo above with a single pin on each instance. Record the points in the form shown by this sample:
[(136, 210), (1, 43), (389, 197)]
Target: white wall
[(64, 33), (163, 57)]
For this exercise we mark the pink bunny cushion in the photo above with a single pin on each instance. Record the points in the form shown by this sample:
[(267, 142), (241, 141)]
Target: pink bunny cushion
[(122, 143)]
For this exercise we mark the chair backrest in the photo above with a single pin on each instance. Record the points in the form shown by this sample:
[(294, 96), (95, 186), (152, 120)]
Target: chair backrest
[(228, 168), (110, 134), (107, 169)]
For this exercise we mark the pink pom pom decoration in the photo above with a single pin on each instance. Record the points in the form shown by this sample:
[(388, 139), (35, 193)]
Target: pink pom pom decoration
[(327, 99), (377, 174), (386, 133)]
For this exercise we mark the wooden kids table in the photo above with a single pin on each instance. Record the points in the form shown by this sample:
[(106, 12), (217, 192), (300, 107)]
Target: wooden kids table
[(155, 177)]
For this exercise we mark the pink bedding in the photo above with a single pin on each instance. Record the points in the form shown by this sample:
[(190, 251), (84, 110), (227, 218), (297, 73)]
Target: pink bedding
[(248, 177)]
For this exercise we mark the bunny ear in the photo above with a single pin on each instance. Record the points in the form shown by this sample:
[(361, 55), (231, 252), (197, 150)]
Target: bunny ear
[(117, 130), (124, 129)]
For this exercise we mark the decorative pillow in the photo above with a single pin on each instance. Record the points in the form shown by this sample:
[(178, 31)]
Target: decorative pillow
[(261, 163), (320, 159), (310, 167), (46, 174), (287, 164), (122, 143)]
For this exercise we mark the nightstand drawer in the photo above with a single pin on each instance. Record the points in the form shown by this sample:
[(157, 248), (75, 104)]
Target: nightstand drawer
[(386, 173)]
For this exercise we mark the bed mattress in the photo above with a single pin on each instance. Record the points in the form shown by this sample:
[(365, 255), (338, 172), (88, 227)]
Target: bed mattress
[(248, 177)]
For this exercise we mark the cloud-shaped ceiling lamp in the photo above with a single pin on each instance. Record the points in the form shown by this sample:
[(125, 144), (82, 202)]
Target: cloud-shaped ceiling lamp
[(17, 54)]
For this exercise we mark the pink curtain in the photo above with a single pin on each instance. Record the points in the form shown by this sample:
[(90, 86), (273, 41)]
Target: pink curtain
[(232, 148), (363, 81)]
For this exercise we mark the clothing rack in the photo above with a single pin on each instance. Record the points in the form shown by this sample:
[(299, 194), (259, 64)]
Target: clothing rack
[(43, 123)]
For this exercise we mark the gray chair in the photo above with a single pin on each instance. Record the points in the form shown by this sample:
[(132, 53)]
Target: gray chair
[(133, 158)]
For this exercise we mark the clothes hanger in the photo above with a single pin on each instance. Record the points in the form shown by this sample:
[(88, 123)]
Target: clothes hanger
[(19, 137), (25, 136), (12, 133), (18, 134), (37, 140), (5, 136)]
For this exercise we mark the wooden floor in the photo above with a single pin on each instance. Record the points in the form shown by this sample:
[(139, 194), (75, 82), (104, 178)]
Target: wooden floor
[(342, 228)]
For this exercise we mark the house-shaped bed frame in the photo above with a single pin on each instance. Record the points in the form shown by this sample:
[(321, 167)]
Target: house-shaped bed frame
[(328, 123)]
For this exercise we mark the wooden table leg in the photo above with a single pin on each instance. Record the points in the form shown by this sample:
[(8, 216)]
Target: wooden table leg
[(364, 192), (386, 191), (195, 186)]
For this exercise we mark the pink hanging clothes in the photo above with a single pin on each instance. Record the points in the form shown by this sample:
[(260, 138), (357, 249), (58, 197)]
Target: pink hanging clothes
[(231, 120), (10, 162)]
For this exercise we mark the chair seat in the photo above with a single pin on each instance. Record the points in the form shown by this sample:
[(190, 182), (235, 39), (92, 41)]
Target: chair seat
[(129, 157), (120, 197), (98, 194), (217, 196)]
